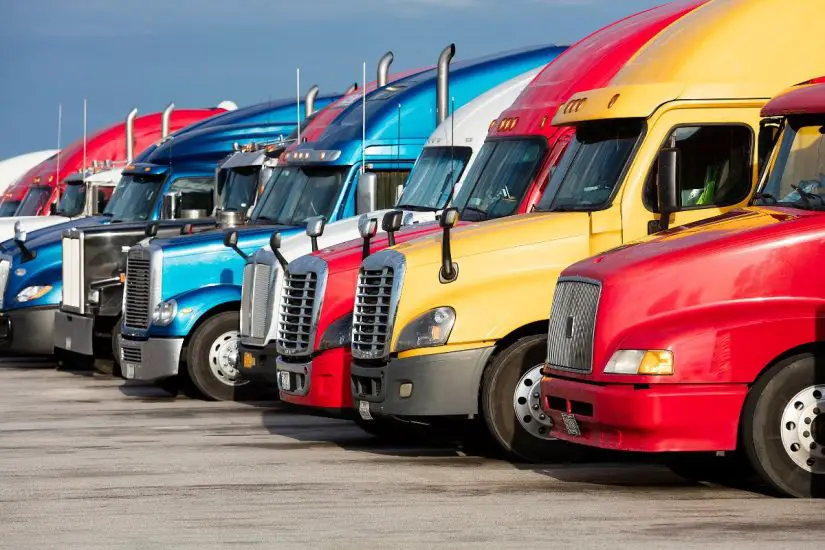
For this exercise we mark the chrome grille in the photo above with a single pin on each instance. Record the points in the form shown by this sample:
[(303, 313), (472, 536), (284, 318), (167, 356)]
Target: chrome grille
[(73, 298), (573, 324), (138, 299), (300, 305), (5, 267), (376, 298), (131, 355), (255, 299)]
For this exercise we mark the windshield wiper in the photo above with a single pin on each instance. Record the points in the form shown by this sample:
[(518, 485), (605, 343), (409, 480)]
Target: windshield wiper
[(806, 199), (478, 210), (107, 214), (764, 199)]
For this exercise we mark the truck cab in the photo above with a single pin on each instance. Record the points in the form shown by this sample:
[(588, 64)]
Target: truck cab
[(359, 164), (665, 360), (694, 92), (507, 176), (14, 168), (183, 163)]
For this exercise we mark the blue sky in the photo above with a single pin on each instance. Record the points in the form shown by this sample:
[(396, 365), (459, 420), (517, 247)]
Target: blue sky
[(120, 54)]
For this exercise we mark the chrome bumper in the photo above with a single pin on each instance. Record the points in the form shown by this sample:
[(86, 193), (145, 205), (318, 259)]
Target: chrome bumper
[(150, 360)]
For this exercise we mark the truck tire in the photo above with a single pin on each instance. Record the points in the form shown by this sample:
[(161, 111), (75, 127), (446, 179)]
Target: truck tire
[(731, 470), (783, 426), (509, 384), (211, 359), (116, 349)]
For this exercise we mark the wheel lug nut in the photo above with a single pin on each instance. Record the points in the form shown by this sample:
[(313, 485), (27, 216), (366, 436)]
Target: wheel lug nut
[(535, 407), (807, 421), (816, 410), (542, 430), (811, 462), (795, 447), (806, 434), (535, 395), (542, 416)]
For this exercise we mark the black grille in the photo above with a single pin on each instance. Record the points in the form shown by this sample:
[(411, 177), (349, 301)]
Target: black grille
[(371, 317), (138, 293), (296, 310), (572, 325), (366, 386), (132, 355)]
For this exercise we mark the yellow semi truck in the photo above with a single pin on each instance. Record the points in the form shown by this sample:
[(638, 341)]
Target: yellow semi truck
[(456, 325)]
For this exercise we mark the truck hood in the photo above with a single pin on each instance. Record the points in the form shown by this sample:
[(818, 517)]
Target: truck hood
[(28, 224), (45, 236), (492, 236), (250, 239)]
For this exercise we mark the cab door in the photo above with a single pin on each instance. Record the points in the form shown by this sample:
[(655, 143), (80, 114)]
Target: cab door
[(717, 169)]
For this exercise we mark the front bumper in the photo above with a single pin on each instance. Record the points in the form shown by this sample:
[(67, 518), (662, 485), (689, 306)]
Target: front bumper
[(150, 360), (652, 418), (74, 333), (28, 330), (257, 364), (443, 384), (323, 382)]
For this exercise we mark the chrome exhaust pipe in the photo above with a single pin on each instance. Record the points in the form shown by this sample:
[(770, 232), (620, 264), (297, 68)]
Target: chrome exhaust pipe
[(309, 102), (130, 135), (442, 95), (384, 68), (165, 118)]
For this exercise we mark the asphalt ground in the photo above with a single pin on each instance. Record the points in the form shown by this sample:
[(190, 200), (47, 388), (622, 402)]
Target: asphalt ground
[(91, 461)]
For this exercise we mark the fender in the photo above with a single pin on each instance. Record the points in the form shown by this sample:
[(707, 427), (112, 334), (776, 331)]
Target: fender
[(193, 305), (51, 275), (726, 342)]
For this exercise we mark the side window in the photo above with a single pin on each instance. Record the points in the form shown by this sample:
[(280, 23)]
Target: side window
[(196, 193), (389, 188), (714, 166)]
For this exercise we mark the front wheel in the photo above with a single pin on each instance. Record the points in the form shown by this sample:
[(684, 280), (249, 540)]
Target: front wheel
[(783, 426), (212, 358), (510, 402)]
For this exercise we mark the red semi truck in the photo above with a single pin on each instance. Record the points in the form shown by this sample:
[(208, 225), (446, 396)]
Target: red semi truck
[(709, 338), (36, 191), (325, 382)]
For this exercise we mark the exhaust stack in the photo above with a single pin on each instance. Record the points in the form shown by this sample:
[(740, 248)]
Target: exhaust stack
[(384, 68), (309, 102), (442, 95), (165, 118), (130, 134)]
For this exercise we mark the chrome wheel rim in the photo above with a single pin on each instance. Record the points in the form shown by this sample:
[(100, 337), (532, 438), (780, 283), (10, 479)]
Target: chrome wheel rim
[(223, 359), (527, 405), (803, 429)]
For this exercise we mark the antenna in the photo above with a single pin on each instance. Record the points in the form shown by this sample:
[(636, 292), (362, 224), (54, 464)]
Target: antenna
[(398, 155), (363, 117), (298, 101), (84, 141), (452, 143), (59, 130)]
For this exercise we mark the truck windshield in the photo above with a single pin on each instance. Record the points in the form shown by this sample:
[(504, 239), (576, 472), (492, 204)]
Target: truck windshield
[(134, 197), (239, 187), (294, 194), (431, 182), (590, 169), (798, 174), (36, 197), (8, 208), (499, 178), (72, 200)]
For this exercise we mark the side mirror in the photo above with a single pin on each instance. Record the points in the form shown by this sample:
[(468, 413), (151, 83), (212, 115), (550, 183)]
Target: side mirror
[(667, 185), (366, 199), (315, 228), (230, 240), (20, 237), (100, 201), (392, 223), (449, 269), (151, 229), (367, 227), (186, 229), (170, 206), (275, 245), (52, 209)]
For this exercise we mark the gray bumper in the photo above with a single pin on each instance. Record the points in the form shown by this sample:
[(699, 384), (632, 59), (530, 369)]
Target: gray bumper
[(444, 384), (299, 376), (28, 330), (74, 333), (150, 360)]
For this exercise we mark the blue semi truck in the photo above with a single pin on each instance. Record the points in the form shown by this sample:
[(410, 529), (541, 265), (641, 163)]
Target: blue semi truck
[(177, 173), (183, 293)]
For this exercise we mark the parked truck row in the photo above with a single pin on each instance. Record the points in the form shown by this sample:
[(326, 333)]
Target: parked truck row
[(554, 248)]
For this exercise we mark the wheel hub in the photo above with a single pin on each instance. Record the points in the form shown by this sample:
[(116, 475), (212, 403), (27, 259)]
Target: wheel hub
[(803, 429), (527, 405), (223, 359)]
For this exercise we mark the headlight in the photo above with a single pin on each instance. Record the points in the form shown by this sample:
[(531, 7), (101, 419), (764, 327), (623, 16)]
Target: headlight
[(164, 313), (338, 334), (637, 361), (33, 293), (430, 329), (94, 297)]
